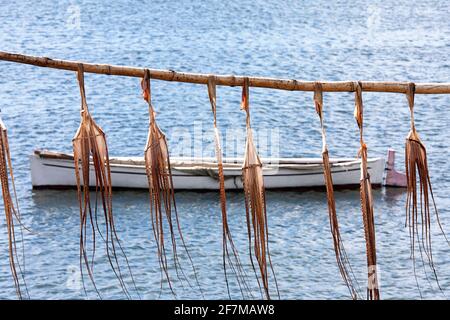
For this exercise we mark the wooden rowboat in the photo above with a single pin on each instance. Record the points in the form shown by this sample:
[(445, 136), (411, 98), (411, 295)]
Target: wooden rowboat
[(56, 170)]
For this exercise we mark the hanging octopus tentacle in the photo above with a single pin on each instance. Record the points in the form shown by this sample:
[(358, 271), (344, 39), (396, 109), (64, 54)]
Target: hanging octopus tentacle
[(162, 196), (342, 260), (227, 240), (416, 166), (255, 203), (12, 215), (90, 148), (373, 292)]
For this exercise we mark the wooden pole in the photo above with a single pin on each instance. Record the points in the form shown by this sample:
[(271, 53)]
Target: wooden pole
[(225, 80)]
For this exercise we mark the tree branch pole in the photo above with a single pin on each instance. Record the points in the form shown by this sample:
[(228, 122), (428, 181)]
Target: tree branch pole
[(225, 80)]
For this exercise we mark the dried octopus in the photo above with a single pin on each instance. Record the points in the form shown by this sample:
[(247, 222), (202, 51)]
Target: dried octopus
[(373, 291), (417, 169), (255, 203), (230, 253), (12, 214), (90, 148), (341, 255), (162, 196)]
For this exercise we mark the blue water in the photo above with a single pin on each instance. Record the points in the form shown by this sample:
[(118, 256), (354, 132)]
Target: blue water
[(320, 40)]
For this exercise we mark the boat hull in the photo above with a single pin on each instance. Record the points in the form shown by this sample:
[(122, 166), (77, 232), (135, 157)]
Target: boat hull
[(56, 170)]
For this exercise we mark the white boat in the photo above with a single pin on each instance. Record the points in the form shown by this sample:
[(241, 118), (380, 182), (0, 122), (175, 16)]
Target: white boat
[(56, 170)]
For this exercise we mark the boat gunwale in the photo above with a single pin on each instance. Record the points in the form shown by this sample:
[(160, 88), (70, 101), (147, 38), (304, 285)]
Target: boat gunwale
[(186, 164)]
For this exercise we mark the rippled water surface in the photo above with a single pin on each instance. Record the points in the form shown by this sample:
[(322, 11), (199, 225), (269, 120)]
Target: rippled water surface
[(329, 40)]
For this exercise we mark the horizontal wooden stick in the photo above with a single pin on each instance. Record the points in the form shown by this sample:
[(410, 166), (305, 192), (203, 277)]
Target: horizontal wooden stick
[(225, 80)]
